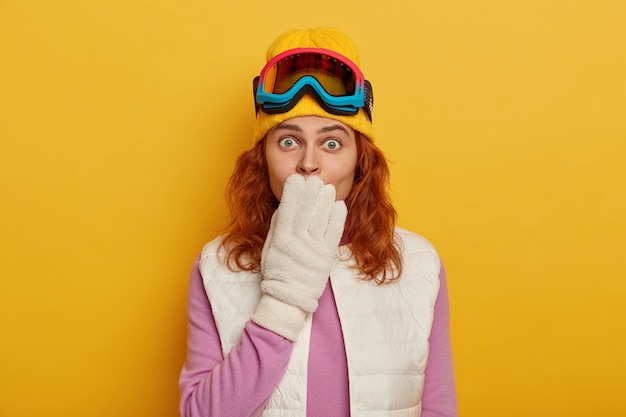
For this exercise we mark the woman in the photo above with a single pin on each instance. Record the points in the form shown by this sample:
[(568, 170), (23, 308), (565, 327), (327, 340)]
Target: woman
[(313, 302)]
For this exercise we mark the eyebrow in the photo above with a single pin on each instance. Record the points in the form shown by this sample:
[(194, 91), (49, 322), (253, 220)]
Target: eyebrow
[(325, 129)]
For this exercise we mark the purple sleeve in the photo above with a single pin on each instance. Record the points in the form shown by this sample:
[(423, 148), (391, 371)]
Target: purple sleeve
[(241, 383), (439, 397)]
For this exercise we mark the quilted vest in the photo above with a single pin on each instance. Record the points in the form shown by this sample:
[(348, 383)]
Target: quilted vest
[(385, 328)]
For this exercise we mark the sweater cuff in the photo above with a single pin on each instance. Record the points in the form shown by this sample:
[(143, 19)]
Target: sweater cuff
[(279, 317)]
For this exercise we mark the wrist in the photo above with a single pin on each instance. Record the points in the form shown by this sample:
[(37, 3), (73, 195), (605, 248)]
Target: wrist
[(279, 317)]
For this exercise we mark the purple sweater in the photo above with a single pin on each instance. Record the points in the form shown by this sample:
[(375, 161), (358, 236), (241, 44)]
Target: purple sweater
[(240, 384)]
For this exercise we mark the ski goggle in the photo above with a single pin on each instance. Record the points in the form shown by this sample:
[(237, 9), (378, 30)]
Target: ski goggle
[(335, 81)]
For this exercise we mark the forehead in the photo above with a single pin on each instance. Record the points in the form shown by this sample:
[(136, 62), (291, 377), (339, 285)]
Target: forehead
[(314, 124)]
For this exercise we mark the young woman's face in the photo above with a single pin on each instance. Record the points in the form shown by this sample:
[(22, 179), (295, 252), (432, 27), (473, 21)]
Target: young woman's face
[(312, 145)]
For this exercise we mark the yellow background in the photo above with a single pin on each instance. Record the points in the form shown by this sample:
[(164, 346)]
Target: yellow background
[(120, 122)]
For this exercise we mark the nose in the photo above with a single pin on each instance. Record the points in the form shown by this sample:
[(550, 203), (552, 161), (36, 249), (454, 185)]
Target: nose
[(308, 164)]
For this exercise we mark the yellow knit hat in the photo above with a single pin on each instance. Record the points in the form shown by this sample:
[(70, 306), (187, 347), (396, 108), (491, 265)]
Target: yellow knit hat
[(323, 37)]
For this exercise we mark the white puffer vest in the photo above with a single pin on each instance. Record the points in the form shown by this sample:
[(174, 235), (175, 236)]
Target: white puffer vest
[(386, 329)]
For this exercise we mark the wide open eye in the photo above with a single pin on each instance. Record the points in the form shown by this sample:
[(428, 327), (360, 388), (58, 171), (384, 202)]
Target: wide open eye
[(287, 142), (332, 144)]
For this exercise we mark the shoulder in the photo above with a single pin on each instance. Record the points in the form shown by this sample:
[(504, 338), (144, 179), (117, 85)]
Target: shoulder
[(212, 257), (411, 242), (212, 264), (213, 248), (419, 256)]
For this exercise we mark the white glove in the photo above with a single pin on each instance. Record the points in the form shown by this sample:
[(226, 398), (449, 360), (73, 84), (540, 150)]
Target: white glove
[(299, 252)]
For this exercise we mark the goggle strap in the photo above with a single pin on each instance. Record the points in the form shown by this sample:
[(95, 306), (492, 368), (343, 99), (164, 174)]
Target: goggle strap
[(255, 86), (368, 96)]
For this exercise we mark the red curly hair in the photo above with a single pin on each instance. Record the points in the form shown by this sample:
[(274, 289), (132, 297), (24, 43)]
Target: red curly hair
[(369, 225)]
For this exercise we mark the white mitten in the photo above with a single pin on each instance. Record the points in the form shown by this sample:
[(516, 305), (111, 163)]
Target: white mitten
[(299, 252)]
